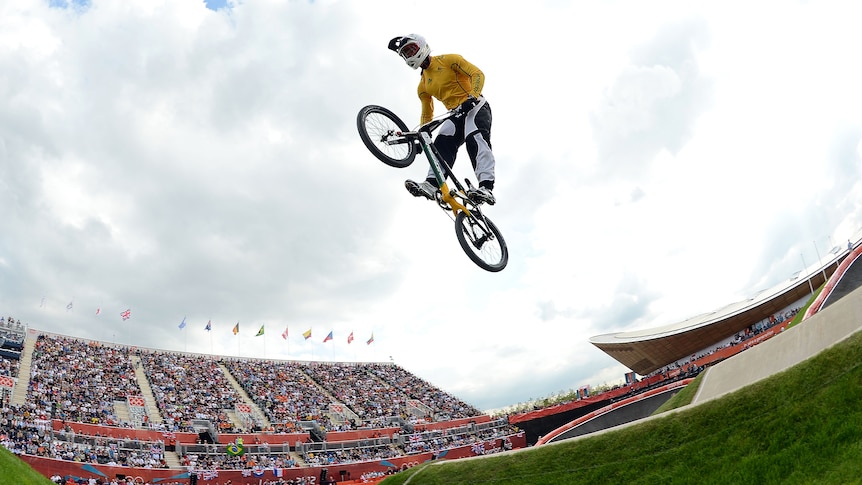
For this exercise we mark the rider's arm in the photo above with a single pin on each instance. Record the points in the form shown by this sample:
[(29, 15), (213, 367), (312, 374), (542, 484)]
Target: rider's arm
[(427, 106), (475, 75)]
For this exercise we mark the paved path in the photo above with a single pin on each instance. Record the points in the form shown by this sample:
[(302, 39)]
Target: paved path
[(851, 280)]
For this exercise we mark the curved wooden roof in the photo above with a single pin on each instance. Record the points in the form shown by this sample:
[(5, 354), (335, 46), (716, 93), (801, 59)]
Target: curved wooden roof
[(651, 349)]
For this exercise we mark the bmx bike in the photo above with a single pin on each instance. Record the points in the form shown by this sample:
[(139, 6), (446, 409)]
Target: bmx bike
[(389, 139)]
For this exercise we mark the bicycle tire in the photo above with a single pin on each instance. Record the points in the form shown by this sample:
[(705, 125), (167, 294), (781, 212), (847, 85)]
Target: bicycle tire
[(488, 251), (375, 123)]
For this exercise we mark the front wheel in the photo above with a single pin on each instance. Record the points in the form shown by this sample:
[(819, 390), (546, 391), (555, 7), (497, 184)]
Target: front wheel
[(482, 242), (377, 125)]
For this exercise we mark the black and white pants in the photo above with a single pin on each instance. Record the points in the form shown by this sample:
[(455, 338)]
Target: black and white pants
[(474, 130)]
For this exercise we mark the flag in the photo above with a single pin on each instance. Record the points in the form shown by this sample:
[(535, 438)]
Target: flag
[(630, 378), (236, 328), (183, 323), (98, 311), (328, 337), (209, 325), (126, 314), (235, 449), (371, 339), (284, 334), (350, 338), (259, 332), (307, 334)]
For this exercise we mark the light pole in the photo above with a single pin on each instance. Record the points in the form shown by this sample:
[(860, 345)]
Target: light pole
[(820, 261), (805, 267)]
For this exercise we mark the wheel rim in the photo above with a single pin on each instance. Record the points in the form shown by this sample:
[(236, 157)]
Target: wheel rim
[(483, 245), (379, 126)]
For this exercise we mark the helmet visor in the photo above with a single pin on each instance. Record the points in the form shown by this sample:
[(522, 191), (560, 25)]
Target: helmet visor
[(409, 50)]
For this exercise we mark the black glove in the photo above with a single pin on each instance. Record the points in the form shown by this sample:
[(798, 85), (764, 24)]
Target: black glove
[(469, 104), (466, 106)]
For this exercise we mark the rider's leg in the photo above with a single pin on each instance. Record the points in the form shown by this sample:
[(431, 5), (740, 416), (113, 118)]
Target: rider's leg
[(449, 138), (478, 140)]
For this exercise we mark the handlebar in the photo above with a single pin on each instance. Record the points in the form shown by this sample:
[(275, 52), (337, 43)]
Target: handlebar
[(436, 122)]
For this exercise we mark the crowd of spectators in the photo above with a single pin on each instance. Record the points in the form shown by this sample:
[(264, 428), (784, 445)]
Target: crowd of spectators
[(24, 430), (363, 388), (79, 381), (11, 342), (350, 455), (189, 387), (439, 440), (70, 480), (9, 324), (224, 461), (282, 391), (445, 405), (370, 398), (9, 367)]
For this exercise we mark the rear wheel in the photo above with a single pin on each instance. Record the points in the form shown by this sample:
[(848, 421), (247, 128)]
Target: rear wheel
[(376, 126), (482, 242)]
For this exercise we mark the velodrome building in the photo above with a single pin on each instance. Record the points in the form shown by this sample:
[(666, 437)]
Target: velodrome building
[(648, 350)]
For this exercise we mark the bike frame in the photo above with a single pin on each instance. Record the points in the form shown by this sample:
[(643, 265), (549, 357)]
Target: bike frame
[(441, 171), (477, 235)]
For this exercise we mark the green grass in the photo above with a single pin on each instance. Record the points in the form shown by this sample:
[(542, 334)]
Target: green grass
[(798, 317), (683, 397), (14, 471), (799, 427)]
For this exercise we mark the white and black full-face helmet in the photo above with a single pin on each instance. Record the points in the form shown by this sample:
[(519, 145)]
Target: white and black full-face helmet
[(412, 48)]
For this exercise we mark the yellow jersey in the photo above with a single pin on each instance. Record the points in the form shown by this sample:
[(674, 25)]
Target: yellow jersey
[(451, 79)]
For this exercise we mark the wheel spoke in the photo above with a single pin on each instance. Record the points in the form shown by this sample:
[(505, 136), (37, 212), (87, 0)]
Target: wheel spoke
[(381, 128), (376, 125), (481, 241)]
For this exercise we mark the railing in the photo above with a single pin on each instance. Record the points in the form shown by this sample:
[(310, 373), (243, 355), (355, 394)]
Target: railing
[(220, 449), (122, 444), (342, 445)]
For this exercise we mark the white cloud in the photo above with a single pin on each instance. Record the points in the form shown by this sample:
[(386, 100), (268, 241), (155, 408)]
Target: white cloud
[(188, 162)]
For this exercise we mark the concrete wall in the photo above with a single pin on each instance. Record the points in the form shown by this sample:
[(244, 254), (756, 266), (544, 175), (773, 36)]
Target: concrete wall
[(820, 331)]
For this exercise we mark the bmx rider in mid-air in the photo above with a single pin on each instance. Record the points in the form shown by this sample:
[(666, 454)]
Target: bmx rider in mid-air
[(457, 84)]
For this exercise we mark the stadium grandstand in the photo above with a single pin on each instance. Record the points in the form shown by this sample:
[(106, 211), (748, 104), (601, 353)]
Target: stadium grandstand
[(85, 409)]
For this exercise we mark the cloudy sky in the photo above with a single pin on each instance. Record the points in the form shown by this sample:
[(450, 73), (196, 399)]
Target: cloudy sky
[(656, 160)]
